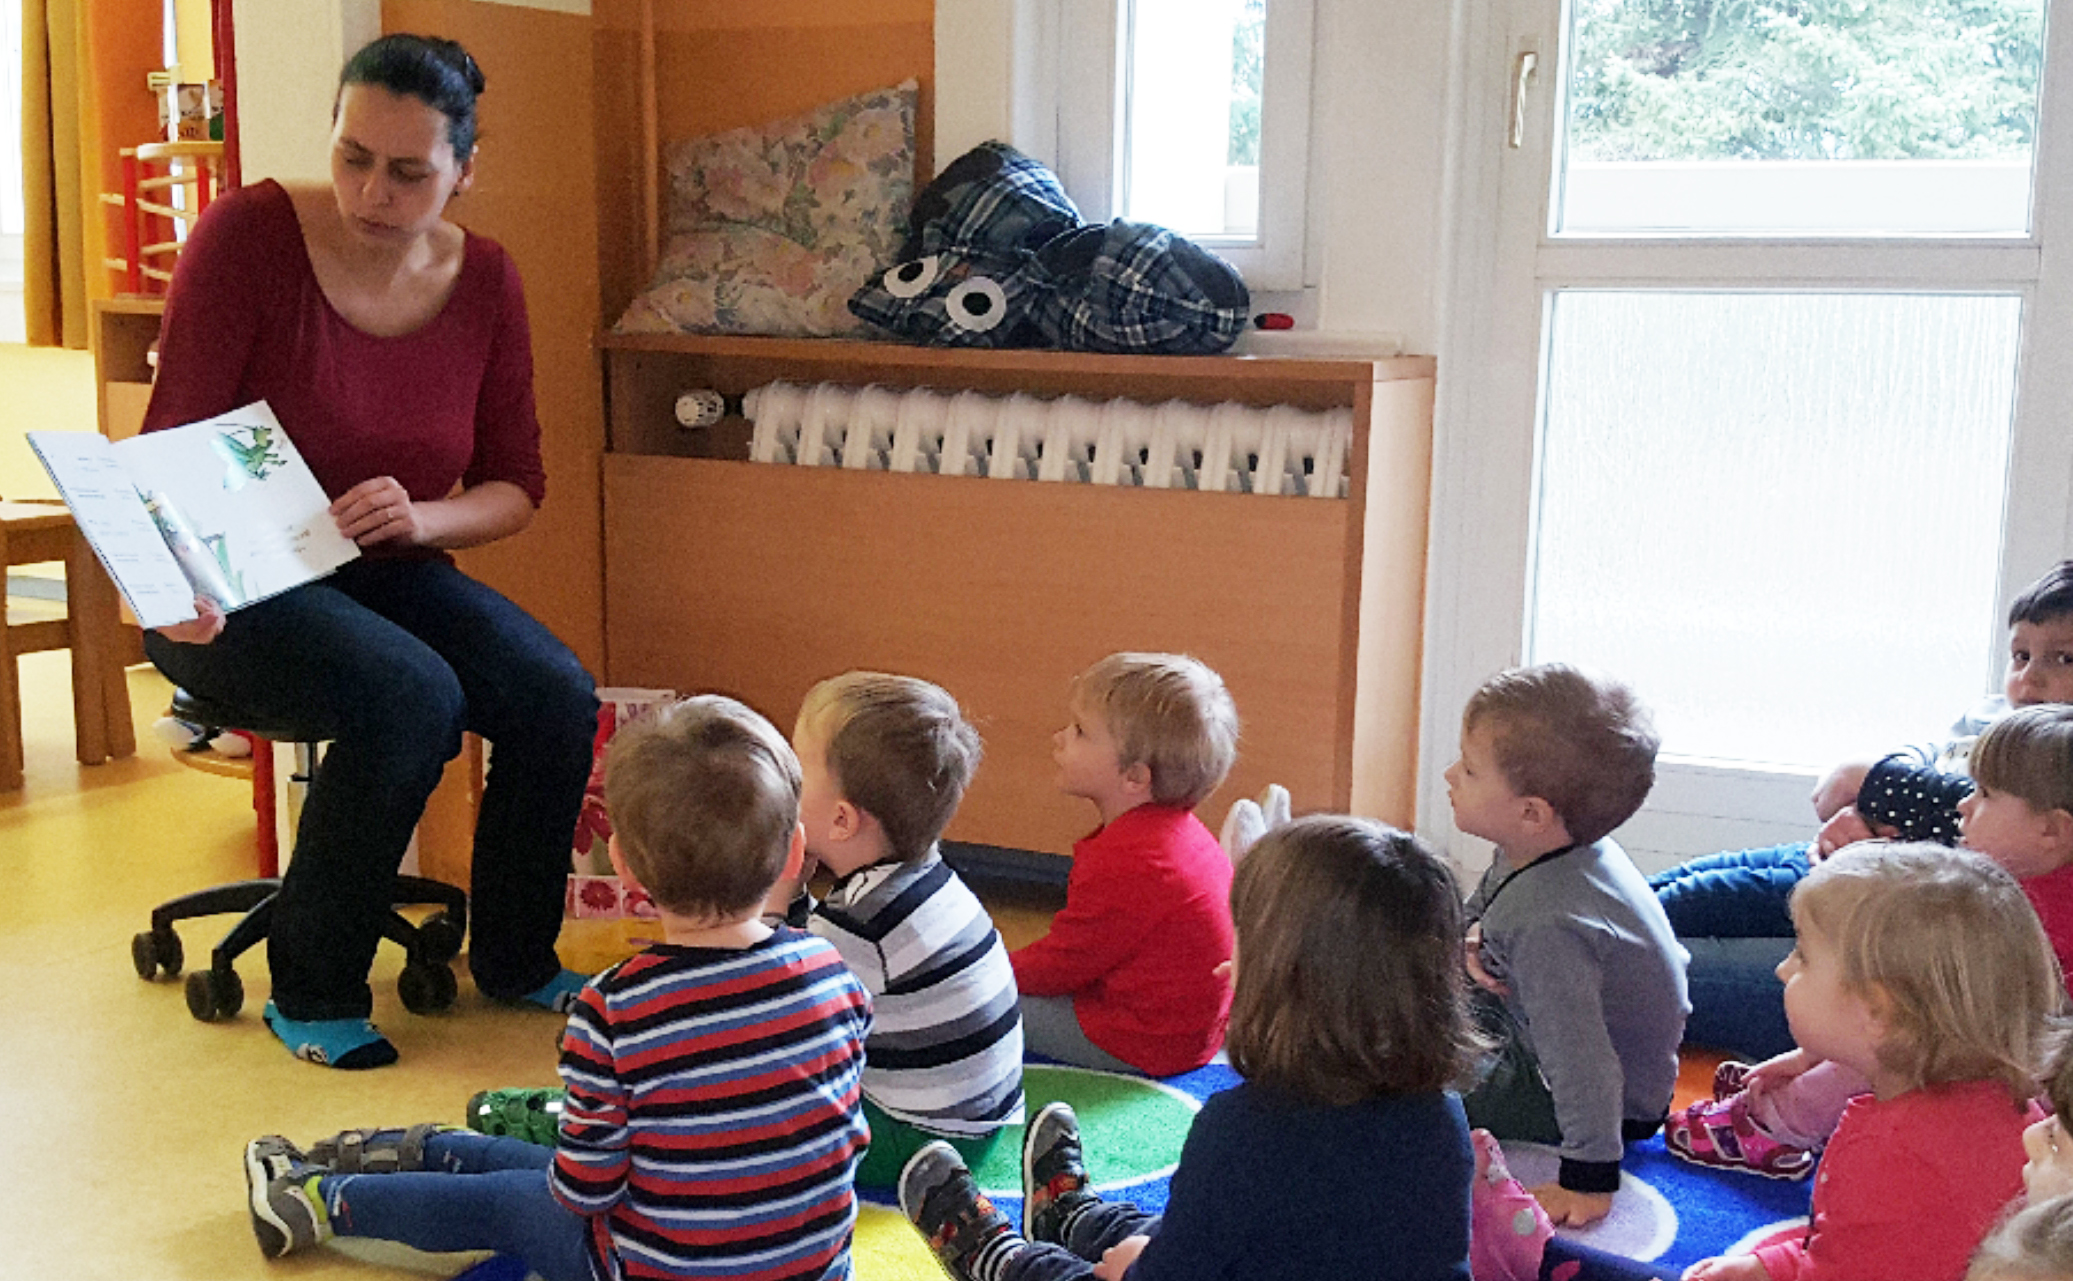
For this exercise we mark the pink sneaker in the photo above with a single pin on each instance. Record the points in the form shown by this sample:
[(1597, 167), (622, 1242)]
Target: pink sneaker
[(1507, 1229), (1722, 1134)]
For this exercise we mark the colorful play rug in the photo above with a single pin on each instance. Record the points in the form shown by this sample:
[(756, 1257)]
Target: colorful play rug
[(1667, 1210)]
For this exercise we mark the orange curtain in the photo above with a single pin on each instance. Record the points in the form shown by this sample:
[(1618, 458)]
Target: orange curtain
[(84, 64)]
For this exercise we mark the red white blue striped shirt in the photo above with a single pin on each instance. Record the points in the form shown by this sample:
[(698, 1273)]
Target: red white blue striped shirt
[(713, 1121)]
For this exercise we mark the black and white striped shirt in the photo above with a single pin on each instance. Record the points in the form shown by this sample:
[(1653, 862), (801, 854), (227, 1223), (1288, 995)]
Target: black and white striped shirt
[(945, 1049)]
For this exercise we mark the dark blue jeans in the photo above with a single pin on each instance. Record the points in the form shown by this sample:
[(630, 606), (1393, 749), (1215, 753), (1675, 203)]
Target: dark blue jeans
[(1731, 911), (475, 1193), (390, 661), (1095, 1231), (1570, 1261)]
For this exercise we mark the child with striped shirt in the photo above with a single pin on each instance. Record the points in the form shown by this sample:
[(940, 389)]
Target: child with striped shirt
[(886, 761), (713, 1121)]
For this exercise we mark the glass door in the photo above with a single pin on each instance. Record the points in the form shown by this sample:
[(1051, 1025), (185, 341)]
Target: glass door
[(1775, 424)]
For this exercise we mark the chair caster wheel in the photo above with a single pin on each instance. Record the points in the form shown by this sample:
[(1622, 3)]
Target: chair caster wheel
[(426, 988), (152, 951), (439, 938), (214, 994)]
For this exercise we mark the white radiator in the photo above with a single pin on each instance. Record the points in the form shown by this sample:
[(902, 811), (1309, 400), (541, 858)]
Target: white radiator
[(1175, 445)]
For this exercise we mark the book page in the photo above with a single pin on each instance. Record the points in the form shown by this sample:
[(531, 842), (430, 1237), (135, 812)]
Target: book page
[(238, 505), (111, 515)]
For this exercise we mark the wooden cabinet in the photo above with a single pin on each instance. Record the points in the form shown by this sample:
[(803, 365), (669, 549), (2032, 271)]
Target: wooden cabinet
[(124, 328), (757, 580)]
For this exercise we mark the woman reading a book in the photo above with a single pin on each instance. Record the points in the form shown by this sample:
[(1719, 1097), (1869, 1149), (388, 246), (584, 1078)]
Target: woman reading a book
[(393, 346)]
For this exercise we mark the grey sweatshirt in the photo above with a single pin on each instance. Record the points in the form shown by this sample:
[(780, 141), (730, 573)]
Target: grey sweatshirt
[(1597, 984)]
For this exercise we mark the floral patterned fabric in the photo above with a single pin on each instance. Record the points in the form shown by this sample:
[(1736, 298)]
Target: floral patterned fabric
[(772, 228)]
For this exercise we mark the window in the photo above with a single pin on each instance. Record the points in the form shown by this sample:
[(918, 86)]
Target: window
[(1763, 412), (1193, 114)]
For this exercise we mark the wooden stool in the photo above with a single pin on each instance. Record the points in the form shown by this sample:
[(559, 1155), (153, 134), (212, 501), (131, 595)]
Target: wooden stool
[(91, 629)]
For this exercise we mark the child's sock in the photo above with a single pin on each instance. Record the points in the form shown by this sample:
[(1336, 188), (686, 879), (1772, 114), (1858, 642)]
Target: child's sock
[(1803, 1112), (558, 993), (341, 1043)]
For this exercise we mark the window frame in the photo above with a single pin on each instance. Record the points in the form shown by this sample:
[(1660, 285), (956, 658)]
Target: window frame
[(1082, 47), (1502, 262)]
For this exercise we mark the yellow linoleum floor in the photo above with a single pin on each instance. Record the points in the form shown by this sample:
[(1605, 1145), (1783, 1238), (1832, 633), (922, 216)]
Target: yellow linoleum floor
[(123, 1118)]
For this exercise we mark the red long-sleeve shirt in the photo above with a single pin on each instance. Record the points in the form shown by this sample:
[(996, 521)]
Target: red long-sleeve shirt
[(1909, 1186), (1146, 921), (449, 403)]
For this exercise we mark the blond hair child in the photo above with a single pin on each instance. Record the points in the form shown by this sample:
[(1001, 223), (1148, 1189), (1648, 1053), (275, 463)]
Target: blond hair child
[(760, 1027), (1580, 980), (886, 760), (1341, 1154), (1770, 1118), (1125, 980), (1925, 970)]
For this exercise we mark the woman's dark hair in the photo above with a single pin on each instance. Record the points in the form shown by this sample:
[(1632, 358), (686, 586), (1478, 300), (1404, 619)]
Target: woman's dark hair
[(438, 73), (1349, 980)]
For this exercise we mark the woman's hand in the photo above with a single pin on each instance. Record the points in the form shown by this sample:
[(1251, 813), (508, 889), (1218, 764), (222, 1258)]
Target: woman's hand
[(1472, 957), (1116, 1260), (197, 631), (379, 511)]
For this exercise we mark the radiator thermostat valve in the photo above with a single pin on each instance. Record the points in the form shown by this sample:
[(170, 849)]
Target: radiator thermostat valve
[(701, 408)]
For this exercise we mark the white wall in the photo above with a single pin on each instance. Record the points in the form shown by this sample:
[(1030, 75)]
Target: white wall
[(1376, 145), (288, 56)]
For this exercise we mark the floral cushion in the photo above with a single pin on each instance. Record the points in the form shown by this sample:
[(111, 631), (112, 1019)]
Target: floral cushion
[(772, 228)]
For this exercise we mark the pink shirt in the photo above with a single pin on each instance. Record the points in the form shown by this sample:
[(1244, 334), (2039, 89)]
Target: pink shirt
[(1910, 1186), (448, 404), (1146, 921)]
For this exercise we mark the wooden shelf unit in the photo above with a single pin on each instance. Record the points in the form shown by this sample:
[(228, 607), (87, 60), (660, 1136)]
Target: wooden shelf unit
[(124, 327), (757, 580)]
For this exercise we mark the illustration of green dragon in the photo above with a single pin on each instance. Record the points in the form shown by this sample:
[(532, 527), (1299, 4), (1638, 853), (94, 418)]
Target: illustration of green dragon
[(250, 452)]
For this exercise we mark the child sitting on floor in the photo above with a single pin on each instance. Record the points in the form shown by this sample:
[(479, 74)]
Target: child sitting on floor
[(1730, 909), (886, 761), (1126, 980), (712, 1124), (1579, 978), (1925, 970), (1772, 1118), (1341, 1154)]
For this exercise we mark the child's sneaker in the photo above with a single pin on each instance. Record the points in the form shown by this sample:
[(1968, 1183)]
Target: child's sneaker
[(969, 1236), (374, 1151), (530, 1114), (287, 1209), (1729, 1078), (1722, 1134), (1054, 1175)]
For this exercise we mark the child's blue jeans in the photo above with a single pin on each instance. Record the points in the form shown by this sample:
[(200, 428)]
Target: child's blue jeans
[(475, 1193), (1731, 911), (1095, 1230)]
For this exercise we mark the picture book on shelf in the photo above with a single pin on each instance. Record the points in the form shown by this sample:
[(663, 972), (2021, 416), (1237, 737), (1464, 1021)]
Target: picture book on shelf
[(224, 508)]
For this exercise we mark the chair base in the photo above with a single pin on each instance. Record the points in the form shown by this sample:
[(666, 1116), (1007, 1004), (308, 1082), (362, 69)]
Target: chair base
[(427, 984)]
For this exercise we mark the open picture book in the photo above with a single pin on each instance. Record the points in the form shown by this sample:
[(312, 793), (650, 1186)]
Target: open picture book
[(223, 508)]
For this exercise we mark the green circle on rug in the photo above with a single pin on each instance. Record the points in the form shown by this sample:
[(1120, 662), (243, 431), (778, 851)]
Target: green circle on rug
[(1131, 1129)]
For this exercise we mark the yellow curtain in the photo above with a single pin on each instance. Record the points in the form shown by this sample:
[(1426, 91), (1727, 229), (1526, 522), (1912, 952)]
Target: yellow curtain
[(85, 96)]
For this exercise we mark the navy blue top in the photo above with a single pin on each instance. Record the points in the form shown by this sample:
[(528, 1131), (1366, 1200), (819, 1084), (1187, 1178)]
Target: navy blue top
[(1270, 1187)]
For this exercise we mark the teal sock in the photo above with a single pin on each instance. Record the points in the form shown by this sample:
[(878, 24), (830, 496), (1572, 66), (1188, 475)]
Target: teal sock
[(351, 1044), (558, 993)]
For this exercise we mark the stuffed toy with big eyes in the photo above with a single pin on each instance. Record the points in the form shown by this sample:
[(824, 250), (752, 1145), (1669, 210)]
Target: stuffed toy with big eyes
[(998, 256)]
